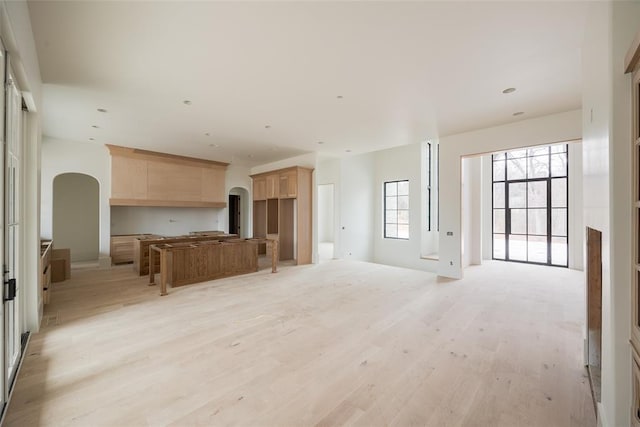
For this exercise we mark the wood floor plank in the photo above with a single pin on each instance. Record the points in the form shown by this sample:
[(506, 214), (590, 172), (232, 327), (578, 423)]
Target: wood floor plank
[(339, 343)]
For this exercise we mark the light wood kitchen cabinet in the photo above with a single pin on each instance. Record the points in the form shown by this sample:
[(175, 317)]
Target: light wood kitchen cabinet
[(287, 216), (211, 179), (148, 178), (288, 184), (128, 178), (260, 188), (122, 247), (273, 186)]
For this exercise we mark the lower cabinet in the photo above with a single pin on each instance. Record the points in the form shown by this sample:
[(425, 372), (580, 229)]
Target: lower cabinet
[(122, 247)]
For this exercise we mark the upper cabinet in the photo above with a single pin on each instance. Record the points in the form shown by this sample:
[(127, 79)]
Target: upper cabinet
[(260, 188), (282, 184), (148, 178), (273, 186), (289, 184)]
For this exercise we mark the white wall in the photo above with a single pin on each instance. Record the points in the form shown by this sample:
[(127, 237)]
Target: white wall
[(543, 130), (309, 160), (60, 157), (166, 221), (400, 163), (487, 208), (576, 221), (596, 80), (472, 212), (607, 181), (326, 226)]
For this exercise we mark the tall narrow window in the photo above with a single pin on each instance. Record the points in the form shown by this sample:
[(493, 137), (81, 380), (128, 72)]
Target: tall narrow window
[(396, 210), (530, 205), (428, 195), (438, 183)]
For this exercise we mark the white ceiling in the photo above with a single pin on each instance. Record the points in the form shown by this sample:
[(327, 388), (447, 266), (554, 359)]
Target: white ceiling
[(406, 72)]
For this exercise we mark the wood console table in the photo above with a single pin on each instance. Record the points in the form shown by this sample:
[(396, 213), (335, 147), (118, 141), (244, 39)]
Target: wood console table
[(184, 263)]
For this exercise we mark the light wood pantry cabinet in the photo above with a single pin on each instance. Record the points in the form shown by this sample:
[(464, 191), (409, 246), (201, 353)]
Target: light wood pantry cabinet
[(149, 178), (284, 213)]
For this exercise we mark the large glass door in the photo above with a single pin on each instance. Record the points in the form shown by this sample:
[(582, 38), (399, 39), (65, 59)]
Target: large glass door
[(530, 209), (4, 389), (12, 227)]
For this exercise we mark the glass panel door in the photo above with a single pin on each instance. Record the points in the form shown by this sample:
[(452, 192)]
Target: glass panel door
[(530, 210), (12, 227), (3, 370)]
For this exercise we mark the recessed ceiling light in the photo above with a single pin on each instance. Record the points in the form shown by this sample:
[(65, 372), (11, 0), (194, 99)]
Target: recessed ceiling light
[(509, 90), (320, 142), (267, 126), (102, 110), (186, 102), (95, 126), (519, 113)]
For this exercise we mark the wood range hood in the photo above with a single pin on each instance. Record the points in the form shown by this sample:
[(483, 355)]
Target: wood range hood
[(148, 178)]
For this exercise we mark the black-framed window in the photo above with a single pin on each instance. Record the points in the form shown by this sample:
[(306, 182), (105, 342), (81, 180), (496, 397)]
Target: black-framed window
[(396, 209), (428, 182), (438, 183), (530, 205)]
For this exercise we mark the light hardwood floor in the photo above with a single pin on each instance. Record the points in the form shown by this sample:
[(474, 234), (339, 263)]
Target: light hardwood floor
[(336, 343)]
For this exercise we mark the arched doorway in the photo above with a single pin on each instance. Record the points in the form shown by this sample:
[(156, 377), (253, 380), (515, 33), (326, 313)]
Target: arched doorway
[(238, 209), (76, 217)]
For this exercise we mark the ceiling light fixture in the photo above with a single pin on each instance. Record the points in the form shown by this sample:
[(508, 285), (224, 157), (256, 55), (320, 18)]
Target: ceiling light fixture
[(339, 96), (102, 110), (95, 126), (518, 113), (347, 151), (186, 102), (91, 139), (320, 142), (267, 126), (207, 134), (509, 90)]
